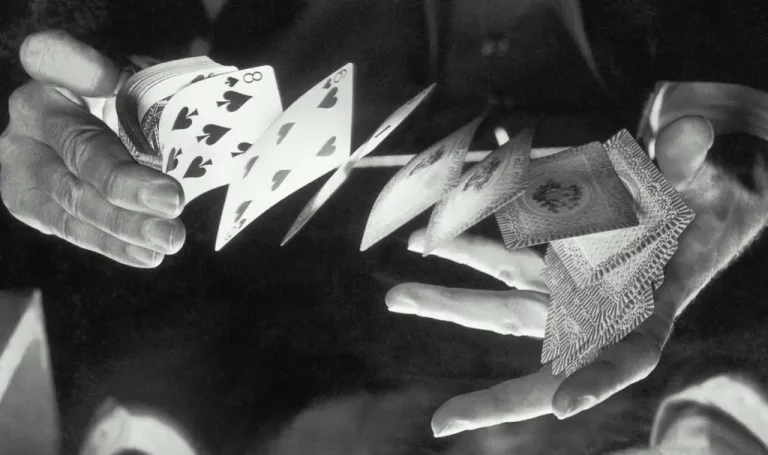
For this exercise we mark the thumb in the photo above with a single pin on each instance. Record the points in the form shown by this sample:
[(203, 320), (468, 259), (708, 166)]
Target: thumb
[(681, 148), (54, 57)]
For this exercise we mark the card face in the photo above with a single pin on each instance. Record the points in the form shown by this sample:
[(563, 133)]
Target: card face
[(342, 173), (499, 178), (210, 123), (309, 139), (571, 193), (660, 210), (426, 179)]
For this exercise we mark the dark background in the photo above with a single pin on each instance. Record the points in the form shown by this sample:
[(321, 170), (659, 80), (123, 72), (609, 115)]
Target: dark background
[(234, 344)]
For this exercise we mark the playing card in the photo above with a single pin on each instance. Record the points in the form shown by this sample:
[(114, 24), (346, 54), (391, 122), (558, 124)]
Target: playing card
[(342, 173), (427, 178), (571, 193), (492, 183), (209, 123), (309, 139), (660, 209)]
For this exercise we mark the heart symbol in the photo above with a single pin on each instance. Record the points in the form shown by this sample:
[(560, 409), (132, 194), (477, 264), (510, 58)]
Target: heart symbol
[(241, 210), (231, 81), (233, 100), (328, 148), (173, 160), (283, 132), (212, 133), (249, 166), (196, 168), (183, 120), (243, 147), (278, 178), (330, 99)]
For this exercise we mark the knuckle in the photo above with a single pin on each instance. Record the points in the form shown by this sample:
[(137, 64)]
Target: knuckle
[(112, 184), (18, 102), (63, 226), (68, 190), (115, 221)]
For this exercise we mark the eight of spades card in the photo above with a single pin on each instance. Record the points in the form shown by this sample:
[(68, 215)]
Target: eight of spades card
[(206, 125), (311, 138)]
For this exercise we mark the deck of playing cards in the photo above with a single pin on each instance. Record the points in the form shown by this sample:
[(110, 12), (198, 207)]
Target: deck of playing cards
[(209, 126), (609, 216)]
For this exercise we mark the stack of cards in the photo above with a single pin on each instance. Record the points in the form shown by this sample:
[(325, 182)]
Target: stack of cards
[(602, 284), (209, 125)]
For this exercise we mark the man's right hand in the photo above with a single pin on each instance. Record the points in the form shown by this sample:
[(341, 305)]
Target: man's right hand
[(64, 172)]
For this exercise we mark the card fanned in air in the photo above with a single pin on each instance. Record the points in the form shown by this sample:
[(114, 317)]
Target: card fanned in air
[(498, 179), (426, 179), (311, 138)]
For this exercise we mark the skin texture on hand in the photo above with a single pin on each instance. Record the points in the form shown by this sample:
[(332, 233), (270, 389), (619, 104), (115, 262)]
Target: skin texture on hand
[(728, 217), (64, 172)]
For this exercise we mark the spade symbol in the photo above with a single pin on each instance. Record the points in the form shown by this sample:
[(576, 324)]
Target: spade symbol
[(327, 84), (330, 99), (249, 165), (173, 161), (233, 100), (243, 147), (231, 81), (283, 132), (183, 120), (328, 148), (279, 177), (196, 168), (241, 210), (212, 133)]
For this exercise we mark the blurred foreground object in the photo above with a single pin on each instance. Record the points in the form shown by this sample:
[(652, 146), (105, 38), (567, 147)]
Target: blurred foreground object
[(29, 422), (117, 429)]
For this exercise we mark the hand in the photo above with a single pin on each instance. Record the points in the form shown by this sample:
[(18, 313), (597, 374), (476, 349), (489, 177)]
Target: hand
[(64, 172), (681, 147)]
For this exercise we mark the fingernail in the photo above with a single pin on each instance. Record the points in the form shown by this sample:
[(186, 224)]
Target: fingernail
[(144, 256), (450, 428), (400, 304), (577, 406), (162, 234), (163, 198)]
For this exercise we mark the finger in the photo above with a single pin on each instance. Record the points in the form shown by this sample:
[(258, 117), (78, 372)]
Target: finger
[(54, 57), (512, 401), (520, 268), (84, 202), (94, 154), (513, 312), (619, 366), (681, 148), (39, 211)]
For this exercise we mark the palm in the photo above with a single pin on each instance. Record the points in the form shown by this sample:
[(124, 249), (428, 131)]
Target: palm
[(522, 312)]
